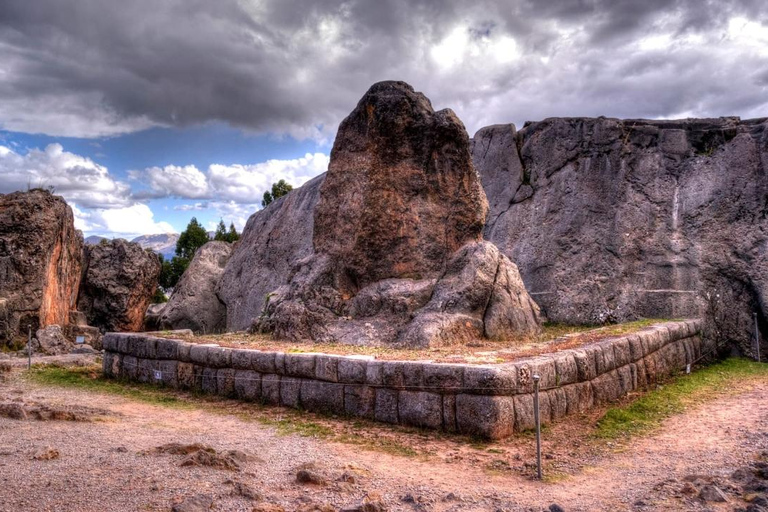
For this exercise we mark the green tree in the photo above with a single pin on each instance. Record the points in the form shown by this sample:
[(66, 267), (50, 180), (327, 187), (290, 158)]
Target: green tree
[(171, 272), (221, 232), (191, 239), (279, 189), (233, 235)]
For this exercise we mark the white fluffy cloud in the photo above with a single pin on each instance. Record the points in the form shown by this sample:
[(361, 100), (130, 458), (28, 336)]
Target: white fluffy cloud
[(225, 184), (127, 222), (76, 178)]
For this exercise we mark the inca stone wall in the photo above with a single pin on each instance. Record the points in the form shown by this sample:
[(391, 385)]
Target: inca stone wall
[(491, 401)]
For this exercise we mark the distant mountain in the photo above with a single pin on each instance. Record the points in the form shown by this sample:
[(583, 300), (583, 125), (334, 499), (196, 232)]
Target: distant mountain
[(94, 239), (164, 244)]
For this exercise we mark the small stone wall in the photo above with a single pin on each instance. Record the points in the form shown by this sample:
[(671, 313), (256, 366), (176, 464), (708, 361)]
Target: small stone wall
[(490, 401)]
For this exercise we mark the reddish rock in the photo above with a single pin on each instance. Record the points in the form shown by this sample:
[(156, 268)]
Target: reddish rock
[(118, 285), (41, 257)]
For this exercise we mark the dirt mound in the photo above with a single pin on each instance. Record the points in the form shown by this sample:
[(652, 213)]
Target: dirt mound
[(45, 412), (197, 454)]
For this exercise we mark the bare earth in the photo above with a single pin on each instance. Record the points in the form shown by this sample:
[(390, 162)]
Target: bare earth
[(110, 463)]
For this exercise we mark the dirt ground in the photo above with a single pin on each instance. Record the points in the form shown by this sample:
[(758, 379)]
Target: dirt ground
[(110, 461)]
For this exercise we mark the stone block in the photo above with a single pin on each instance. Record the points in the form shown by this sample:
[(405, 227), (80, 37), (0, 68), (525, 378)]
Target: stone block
[(490, 417), (130, 368), (571, 399), (677, 330), (219, 357), (106, 365), (524, 377), (270, 389), (585, 365), (565, 368), (545, 407), (523, 407), (263, 362), (199, 370), (625, 379), (182, 351), (225, 382), (247, 385), (359, 401), (449, 413), (586, 396), (636, 349), (110, 342), (420, 409), (386, 405), (651, 340), (327, 368), (168, 373), (321, 396), (663, 333), (186, 375), (146, 347), (402, 374), (198, 354), (621, 352), (240, 359), (166, 349), (609, 358), (558, 403), (442, 377), (280, 363), (490, 380), (606, 388), (126, 344), (352, 370), (117, 365), (146, 371), (642, 379), (374, 373), (290, 392), (300, 365), (209, 380), (544, 367)]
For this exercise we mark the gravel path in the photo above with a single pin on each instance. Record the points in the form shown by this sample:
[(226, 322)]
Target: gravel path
[(110, 462)]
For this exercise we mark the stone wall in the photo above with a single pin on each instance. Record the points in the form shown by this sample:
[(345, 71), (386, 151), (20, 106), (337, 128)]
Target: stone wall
[(490, 401)]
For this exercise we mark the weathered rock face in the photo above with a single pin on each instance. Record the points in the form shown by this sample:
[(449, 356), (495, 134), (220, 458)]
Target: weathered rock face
[(51, 341), (610, 220), (272, 241), (194, 304), (40, 263), (118, 285), (398, 256)]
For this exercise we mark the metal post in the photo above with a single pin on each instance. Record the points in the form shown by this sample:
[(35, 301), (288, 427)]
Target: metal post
[(757, 338), (538, 424), (29, 349)]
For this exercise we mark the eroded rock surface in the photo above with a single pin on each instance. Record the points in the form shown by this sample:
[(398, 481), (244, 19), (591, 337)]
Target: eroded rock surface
[(194, 303), (398, 256), (611, 220), (40, 263), (118, 285)]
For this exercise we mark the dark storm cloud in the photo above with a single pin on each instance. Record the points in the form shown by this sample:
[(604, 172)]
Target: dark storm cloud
[(92, 68)]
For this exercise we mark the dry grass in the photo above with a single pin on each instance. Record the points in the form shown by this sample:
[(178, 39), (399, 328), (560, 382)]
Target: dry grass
[(553, 337)]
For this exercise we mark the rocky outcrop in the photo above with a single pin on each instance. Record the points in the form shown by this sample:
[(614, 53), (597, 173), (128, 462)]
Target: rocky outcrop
[(272, 241), (398, 256), (118, 285), (194, 304), (610, 220), (51, 341), (40, 263)]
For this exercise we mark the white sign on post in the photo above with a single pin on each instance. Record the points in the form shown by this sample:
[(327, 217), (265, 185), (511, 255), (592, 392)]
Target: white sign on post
[(80, 340), (158, 375)]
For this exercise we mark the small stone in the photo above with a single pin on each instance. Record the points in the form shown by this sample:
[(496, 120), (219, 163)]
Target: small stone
[(199, 503), (47, 453), (244, 490), (712, 493), (556, 508), (309, 476)]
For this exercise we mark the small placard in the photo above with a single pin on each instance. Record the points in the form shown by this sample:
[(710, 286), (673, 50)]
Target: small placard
[(687, 368), (80, 340), (158, 375)]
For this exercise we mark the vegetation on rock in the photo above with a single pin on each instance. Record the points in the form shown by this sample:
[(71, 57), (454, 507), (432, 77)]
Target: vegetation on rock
[(279, 189)]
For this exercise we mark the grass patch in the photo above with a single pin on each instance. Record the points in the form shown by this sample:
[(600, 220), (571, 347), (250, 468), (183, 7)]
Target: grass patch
[(90, 378), (648, 411)]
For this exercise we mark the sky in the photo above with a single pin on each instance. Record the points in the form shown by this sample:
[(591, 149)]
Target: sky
[(144, 113)]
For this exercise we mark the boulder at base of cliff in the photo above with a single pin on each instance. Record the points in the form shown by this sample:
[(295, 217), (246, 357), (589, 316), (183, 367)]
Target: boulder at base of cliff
[(52, 342), (41, 256), (118, 285), (194, 304), (398, 256)]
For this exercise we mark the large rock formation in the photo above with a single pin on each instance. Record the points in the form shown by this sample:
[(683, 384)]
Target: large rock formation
[(194, 304), (398, 256), (273, 240), (118, 285), (611, 220), (40, 263)]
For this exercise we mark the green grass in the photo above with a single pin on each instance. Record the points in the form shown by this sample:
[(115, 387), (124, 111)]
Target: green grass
[(89, 378), (648, 411)]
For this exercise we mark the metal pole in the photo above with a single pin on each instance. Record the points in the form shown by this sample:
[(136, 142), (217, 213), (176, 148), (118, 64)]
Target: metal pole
[(757, 338), (29, 348), (538, 424)]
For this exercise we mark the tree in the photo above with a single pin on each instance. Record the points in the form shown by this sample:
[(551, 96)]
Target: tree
[(221, 232), (171, 271), (191, 239), (233, 235), (279, 189)]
